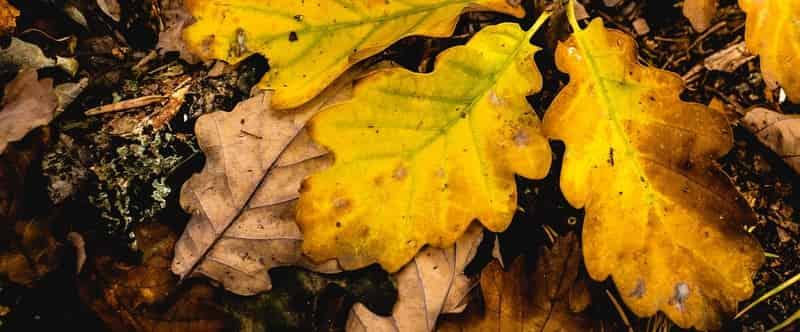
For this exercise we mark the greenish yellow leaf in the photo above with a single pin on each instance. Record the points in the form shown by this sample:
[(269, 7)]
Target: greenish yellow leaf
[(418, 157), (310, 43), (772, 31), (661, 219)]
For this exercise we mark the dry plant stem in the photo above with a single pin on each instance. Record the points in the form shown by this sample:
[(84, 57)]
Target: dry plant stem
[(621, 311), (125, 105), (786, 323), (769, 294)]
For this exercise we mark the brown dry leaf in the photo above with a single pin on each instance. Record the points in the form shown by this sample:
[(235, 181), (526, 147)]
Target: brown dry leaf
[(24, 56), (8, 17), (661, 218), (170, 39), (28, 103), (520, 299), (142, 297), (243, 202), (110, 8), (33, 253), (779, 132), (700, 13), (433, 283)]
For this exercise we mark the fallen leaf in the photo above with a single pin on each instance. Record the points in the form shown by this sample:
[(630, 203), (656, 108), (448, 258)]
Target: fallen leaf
[(302, 300), (28, 103), (700, 13), (309, 44), (419, 156), (772, 32), (779, 132), (8, 17), (661, 218), (551, 298), (176, 19), (32, 252), (144, 297), (243, 202), (24, 56), (76, 239), (432, 284), (110, 8)]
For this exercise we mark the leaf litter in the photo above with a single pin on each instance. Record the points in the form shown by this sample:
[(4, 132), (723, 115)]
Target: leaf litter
[(122, 67)]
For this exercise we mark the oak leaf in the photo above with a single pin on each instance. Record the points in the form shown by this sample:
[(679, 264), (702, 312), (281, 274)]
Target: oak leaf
[(779, 132), (243, 202), (310, 43), (419, 156), (432, 284), (700, 13), (28, 103), (772, 32), (145, 296), (8, 18), (32, 251), (661, 218), (549, 298)]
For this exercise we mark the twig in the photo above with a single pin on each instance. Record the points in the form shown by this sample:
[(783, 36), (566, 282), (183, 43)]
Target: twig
[(620, 311), (125, 105)]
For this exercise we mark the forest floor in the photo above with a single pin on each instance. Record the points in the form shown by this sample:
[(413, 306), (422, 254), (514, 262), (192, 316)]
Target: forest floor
[(99, 177)]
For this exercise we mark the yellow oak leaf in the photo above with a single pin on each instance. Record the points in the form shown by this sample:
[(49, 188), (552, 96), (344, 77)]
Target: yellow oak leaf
[(772, 32), (418, 157), (310, 43), (661, 218)]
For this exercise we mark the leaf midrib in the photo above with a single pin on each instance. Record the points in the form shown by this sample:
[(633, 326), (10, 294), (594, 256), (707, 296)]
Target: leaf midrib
[(608, 103), (345, 24)]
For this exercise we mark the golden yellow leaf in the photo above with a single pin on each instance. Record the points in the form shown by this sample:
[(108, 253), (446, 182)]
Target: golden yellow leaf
[(419, 156), (661, 218), (772, 32), (8, 17), (310, 43)]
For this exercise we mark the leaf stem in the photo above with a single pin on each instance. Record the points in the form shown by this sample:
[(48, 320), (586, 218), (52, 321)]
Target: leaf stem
[(573, 21), (538, 24)]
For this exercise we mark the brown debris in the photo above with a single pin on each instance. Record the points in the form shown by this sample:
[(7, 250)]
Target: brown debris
[(27, 103)]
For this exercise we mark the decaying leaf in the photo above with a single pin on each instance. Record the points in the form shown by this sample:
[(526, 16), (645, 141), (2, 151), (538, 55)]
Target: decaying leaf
[(772, 32), (551, 298), (176, 19), (110, 8), (28, 103), (301, 300), (779, 132), (661, 218), (23, 56), (32, 252), (431, 285), (310, 43), (243, 202), (8, 17), (419, 156), (141, 297), (700, 13)]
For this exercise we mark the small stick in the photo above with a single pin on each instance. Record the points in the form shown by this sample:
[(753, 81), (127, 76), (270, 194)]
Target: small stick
[(125, 105)]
